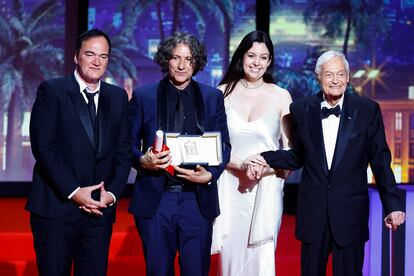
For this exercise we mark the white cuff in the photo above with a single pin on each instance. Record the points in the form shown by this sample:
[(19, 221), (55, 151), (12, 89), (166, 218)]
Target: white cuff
[(73, 193), (113, 197)]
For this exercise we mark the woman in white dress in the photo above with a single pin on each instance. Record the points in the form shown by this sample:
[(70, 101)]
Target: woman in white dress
[(245, 233)]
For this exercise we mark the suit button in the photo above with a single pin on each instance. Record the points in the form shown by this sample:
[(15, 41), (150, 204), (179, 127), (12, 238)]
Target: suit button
[(329, 186)]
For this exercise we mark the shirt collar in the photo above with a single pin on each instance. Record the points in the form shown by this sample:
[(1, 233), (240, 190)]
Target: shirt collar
[(325, 103), (82, 84), (187, 89)]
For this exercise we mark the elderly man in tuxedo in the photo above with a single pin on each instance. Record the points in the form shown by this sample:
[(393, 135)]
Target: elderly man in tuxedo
[(79, 134), (175, 213), (337, 135)]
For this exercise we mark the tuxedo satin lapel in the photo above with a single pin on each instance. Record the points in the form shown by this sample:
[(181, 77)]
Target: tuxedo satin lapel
[(80, 106), (162, 105), (104, 110), (348, 117), (199, 106), (315, 129)]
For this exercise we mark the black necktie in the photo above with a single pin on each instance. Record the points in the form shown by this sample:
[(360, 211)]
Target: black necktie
[(326, 112), (179, 113), (91, 105)]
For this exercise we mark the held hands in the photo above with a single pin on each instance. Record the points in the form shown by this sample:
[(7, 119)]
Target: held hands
[(198, 176), (394, 219), (155, 161), (255, 166), (84, 200)]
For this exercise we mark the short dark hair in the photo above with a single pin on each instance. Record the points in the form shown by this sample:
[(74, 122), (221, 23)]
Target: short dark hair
[(235, 71), (90, 34), (165, 48)]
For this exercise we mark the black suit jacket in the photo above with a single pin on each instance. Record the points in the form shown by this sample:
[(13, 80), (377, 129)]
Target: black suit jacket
[(149, 111), (62, 141), (338, 196)]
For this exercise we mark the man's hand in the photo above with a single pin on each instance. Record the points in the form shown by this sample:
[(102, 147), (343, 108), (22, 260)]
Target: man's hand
[(199, 175), (155, 161), (105, 197), (84, 200), (394, 219), (256, 166), (255, 159)]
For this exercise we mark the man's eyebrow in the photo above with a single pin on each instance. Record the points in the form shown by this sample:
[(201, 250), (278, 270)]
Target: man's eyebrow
[(328, 71), (92, 52)]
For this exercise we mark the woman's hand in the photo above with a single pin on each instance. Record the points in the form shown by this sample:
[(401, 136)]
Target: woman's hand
[(255, 166)]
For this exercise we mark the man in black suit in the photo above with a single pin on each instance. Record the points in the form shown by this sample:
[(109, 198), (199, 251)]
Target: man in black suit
[(79, 134), (175, 213), (337, 136)]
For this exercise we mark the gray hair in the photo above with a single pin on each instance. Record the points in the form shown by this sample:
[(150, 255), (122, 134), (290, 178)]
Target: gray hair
[(165, 49), (327, 56)]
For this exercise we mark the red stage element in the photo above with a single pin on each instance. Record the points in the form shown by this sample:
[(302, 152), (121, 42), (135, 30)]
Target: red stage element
[(17, 256)]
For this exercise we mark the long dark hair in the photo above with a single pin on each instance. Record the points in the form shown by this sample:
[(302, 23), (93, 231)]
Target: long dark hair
[(235, 71)]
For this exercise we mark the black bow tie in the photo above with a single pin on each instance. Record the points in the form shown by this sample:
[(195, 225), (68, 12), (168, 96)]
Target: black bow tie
[(326, 112)]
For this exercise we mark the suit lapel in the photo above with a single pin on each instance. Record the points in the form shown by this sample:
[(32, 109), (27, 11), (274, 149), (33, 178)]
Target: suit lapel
[(162, 105), (199, 106), (345, 129), (104, 108), (315, 129), (80, 106)]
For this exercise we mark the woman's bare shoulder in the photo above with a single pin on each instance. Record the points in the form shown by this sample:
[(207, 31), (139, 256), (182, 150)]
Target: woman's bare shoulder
[(278, 92)]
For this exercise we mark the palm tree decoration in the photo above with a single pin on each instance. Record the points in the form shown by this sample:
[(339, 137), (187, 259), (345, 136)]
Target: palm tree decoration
[(121, 66), (361, 16), (299, 83), (303, 82), (28, 56), (227, 11), (198, 8), (124, 42), (222, 11)]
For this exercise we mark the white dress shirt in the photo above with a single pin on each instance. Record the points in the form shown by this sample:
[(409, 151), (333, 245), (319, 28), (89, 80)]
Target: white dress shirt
[(83, 86), (330, 126)]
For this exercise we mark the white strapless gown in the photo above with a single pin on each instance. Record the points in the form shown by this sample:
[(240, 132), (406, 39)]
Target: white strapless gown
[(245, 233)]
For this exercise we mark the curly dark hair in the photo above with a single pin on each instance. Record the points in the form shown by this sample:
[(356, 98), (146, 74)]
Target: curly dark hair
[(165, 48), (90, 34), (235, 71)]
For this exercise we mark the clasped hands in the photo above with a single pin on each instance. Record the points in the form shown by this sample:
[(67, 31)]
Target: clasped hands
[(255, 166), (83, 198), (161, 161)]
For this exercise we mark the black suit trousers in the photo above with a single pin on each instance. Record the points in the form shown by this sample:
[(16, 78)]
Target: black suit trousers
[(57, 243), (346, 261)]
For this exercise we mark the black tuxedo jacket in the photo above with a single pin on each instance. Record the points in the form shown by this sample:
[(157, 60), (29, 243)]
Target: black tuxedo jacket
[(149, 111), (338, 196), (62, 141)]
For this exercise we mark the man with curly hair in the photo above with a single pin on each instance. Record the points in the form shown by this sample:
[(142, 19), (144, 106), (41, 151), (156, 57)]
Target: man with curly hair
[(175, 213)]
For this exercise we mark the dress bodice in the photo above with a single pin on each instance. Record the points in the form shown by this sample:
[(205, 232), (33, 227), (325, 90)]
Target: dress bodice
[(252, 137)]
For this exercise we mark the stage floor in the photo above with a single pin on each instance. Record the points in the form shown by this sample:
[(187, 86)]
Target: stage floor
[(17, 256)]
